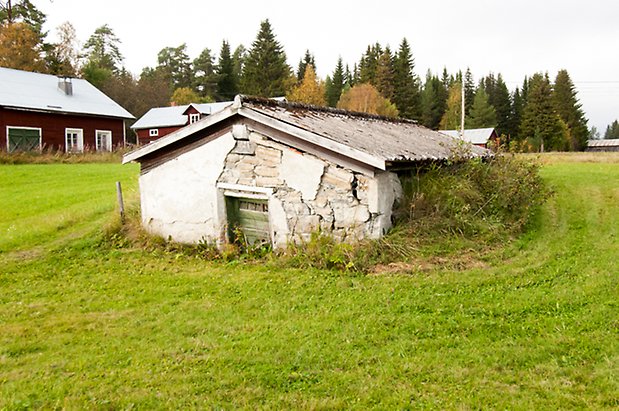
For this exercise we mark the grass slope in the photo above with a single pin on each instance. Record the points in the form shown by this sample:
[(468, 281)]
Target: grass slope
[(88, 327)]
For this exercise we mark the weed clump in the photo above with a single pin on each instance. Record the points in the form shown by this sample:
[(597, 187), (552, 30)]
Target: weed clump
[(492, 196)]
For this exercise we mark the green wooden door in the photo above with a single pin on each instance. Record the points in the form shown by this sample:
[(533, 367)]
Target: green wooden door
[(248, 220), (24, 139)]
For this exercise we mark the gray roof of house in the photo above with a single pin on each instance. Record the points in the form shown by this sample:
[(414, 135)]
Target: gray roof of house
[(40, 92), (370, 139), (173, 116), (610, 142), (472, 135)]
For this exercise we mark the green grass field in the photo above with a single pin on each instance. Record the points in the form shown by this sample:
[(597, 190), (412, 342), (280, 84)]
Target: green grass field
[(532, 325)]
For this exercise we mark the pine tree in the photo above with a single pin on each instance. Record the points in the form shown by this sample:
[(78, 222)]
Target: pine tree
[(384, 80), (570, 110), (175, 63), (227, 80), (102, 49), (335, 85), (265, 72), (307, 59), (482, 114), (452, 117), (204, 75), (541, 125), (407, 96)]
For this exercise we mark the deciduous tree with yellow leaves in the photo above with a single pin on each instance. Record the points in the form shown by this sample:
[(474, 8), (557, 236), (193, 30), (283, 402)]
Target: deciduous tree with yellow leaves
[(310, 91), (366, 98)]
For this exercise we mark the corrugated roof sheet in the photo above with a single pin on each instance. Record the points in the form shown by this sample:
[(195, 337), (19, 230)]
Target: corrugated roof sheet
[(387, 139), (374, 140), (36, 91), (603, 143), (173, 116), (473, 135)]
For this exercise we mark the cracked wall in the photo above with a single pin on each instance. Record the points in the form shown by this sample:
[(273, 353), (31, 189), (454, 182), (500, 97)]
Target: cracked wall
[(310, 194), (183, 198)]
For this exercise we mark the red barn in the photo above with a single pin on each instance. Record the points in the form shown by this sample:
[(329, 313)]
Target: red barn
[(68, 114), (161, 121)]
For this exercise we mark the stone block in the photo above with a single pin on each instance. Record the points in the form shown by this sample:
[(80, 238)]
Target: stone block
[(268, 181), (264, 171)]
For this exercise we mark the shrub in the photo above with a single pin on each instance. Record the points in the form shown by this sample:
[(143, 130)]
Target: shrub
[(497, 195)]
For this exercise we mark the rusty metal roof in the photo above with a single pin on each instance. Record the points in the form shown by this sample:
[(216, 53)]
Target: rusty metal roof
[(370, 139)]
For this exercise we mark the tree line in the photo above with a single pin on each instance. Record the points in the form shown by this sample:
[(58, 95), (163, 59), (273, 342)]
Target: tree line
[(540, 114)]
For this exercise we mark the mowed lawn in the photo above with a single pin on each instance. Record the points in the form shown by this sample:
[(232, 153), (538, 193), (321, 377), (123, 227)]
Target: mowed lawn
[(535, 325)]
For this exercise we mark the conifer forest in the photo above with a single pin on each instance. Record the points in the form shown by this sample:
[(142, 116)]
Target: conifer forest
[(542, 113)]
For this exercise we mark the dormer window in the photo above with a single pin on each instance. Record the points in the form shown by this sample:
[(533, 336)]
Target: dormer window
[(193, 117)]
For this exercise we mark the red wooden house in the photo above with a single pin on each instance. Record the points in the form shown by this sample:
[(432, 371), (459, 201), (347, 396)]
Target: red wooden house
[(67, 114), (161, 121)]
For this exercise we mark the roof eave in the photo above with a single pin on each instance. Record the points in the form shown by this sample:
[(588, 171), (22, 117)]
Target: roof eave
[(178, 135)]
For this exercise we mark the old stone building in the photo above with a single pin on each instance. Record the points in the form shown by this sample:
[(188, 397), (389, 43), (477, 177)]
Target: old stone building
[(275, 172)]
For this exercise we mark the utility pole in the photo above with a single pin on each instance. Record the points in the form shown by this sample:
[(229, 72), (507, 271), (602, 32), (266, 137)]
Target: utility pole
[(462, 111)]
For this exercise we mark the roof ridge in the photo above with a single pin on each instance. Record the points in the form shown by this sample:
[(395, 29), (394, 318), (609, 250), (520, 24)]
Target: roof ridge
[(321, 109)]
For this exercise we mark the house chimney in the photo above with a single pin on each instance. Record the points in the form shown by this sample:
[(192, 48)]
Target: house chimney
[(65, 85)]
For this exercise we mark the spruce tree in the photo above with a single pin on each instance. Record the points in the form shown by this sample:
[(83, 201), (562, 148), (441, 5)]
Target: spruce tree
[(335, 85), (570, 110), (407, 95), (384, 79), (516, 115), (482, 114), (265, 72), (432, 108), (541, 125), (369, 63), (307, 59), (469, 90), (612, 130), (227, 80), (502, 106)]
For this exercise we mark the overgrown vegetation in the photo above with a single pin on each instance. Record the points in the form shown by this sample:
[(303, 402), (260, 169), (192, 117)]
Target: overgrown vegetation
[(463, 205)]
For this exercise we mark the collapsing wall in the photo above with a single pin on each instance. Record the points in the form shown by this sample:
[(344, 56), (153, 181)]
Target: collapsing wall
[(306, 194)]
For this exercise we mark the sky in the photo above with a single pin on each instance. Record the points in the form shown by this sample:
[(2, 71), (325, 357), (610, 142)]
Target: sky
[(516, 38)]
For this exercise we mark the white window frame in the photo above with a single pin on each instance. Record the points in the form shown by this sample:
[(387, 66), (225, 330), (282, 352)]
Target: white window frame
[(80, 140), (108, 146), (153, 132), (24, 128), (194, 117)]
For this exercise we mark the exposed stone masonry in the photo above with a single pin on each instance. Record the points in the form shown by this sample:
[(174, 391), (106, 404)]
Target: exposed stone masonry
[(314, 194)]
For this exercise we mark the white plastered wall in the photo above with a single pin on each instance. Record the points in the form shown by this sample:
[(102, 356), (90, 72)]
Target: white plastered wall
[(179, 198)]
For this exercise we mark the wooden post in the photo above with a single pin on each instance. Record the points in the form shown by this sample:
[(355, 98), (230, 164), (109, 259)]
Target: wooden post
[(121, 204)]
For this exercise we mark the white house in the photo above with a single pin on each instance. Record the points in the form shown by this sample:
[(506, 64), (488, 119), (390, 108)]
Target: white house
[(279, 171)]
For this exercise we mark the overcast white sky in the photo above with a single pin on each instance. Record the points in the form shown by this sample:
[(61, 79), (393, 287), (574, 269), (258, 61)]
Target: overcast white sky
[(513, 37)]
